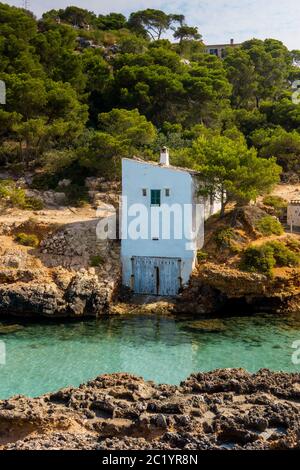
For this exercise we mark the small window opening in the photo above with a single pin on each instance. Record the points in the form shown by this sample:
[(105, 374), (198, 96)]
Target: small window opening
[(155, 197), (167, 192), (144, 192)]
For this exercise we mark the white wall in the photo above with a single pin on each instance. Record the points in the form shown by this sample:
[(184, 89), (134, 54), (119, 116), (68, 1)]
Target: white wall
[(293, 215), (139, 175)]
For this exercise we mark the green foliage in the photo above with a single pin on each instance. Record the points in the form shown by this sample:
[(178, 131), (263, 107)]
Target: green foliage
[(133, 128), (27, 239), (43, 114), (77, 195), (96, 261), (278, 203), (258, 70), (264, 258), (163, 88), (280, 143), (56, 161), (111, 21), (231, 171), (202, 256), (223, 237), (268, 225), (123, 134), (57, 89), (72, 15), (133, 45), (150, 22), (249, 121), (11, 195), (186, 32), (34, 203), (283, 255), (293, 244), (258, 259)]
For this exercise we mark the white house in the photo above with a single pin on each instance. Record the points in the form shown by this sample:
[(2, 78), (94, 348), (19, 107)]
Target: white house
[(162, 225), (293, 214), (220, 49)]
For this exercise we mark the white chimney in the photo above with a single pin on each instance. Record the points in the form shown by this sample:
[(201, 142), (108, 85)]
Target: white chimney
[(164, 157)]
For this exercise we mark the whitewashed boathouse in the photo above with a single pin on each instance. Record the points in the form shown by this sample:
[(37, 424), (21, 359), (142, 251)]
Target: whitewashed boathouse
[(161, 214)]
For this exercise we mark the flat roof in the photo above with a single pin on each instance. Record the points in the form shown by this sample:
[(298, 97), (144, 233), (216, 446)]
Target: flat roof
[(222, 45)]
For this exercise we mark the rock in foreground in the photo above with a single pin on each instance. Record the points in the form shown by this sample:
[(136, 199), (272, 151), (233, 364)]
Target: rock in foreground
[(225, 409)]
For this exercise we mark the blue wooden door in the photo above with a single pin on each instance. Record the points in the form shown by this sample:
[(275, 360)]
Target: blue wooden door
[(169, 276), (156, 276), (144, 275)]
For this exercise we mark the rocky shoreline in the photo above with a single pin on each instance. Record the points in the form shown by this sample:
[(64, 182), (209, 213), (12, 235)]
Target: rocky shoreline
[(73, 274), (218, 288), (224, 409)]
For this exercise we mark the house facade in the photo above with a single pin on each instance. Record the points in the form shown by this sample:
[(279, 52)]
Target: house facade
[(220, 49), (162, 225), (293, 214)]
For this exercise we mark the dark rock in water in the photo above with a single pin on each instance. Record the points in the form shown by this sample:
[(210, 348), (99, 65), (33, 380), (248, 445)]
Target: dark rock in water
[(225, 409), (6, 329), (207, 326), (85, 295)]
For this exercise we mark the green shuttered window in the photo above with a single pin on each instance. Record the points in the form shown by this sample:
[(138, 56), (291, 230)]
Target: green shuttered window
[(155, 197)]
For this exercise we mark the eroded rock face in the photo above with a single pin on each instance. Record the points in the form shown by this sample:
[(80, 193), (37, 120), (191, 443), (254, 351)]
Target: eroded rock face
[(83, 294), (225, 409), (50, 198), (33, 283), (215, 287)]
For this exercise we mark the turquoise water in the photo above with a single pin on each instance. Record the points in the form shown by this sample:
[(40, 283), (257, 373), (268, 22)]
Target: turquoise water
[(45, 357)]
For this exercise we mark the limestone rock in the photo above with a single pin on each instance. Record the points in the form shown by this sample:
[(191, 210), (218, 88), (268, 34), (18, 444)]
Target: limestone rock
[(208, 411), (215, 287)]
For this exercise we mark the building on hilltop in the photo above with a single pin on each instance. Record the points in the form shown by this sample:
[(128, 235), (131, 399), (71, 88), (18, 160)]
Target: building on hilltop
[(162, 225), (220, 49)]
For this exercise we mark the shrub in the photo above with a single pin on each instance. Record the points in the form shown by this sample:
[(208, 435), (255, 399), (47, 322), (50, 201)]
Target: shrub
[(96, 260), (293, 244), (33, 203), (258, 259), (268, 225), (5, 188), (27, 239), (223, 237), (45, 181), (11, 194), (283, 255), (265, 257), (16, 197), (202, 256), (77, 195), (276, 202)]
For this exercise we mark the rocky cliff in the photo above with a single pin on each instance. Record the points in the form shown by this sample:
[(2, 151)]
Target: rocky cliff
[(226, 409), (214, 287), (71, 272)]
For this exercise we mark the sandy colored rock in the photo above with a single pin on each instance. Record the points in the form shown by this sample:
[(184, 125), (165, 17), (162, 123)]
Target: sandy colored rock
[(225, 409)]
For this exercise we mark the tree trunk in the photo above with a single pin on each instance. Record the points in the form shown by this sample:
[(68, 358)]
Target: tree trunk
[(223, 203)]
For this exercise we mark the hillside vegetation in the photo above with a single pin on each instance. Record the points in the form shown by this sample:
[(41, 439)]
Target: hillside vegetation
[(85, 90)]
